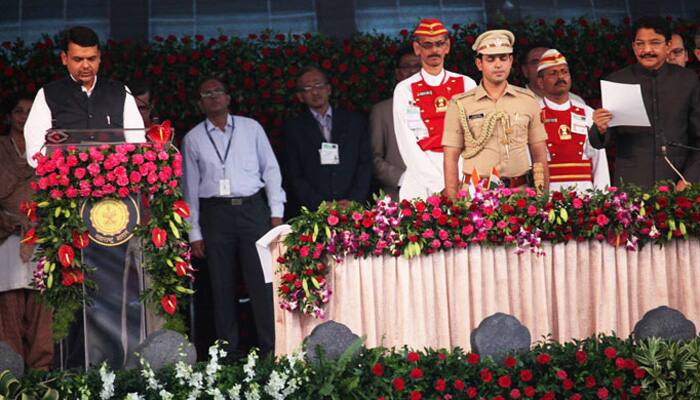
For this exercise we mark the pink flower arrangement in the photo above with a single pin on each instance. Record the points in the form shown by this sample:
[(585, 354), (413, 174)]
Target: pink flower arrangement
[(627, 218)]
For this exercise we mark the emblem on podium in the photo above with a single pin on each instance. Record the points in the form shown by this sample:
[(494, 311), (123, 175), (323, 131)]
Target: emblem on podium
[(112, 221)]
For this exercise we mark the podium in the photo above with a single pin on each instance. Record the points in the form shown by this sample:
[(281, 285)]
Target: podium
[(114, 321)]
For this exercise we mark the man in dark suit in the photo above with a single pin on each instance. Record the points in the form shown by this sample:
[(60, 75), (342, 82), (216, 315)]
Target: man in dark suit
[(327, 149), (388, 164), (671, 96)]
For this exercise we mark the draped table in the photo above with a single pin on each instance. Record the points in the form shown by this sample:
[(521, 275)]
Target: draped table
[(573, 291)]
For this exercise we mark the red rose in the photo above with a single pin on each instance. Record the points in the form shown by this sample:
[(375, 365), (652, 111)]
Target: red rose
[(486, 376), (458, 385), (509, 362), (617, 382), (416, 373), (413, 357), (543, 359), (415, 395), (399, 384), (620, 363), (561, 374), (568, 384), (602, 393), (440, 385), (581, 356), (526, 375), (639, 373), (610, 352), (515, 394), (378, 369), (471, 392), (504, 381), (589, 381), (634, 390), (530, 391)]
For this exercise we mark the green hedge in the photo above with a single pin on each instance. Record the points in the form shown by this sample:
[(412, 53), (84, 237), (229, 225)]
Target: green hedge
[(600, 367)]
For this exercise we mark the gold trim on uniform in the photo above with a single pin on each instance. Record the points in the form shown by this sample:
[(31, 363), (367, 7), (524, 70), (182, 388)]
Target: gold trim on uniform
[(573, 176), (565, 165), (440, 104), (564, 132)]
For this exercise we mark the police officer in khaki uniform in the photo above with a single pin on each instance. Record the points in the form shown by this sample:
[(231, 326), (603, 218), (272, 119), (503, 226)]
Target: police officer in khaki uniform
[(494, 125)]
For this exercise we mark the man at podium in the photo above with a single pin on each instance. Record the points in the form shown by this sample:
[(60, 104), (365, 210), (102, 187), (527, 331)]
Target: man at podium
[(113, 324), (81, 100)]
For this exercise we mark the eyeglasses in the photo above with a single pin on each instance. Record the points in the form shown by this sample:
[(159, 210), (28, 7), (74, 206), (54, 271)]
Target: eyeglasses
[(212, 93), (308, 89), (430, 45), (677, 52), (654, 44)]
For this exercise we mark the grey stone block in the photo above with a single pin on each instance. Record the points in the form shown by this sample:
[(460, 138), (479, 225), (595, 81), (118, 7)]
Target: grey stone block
[(10, 360), (333, 338), (499, 335), (163, 348), (665, 323)]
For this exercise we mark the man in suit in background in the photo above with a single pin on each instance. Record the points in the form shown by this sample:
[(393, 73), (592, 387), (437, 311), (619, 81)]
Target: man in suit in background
[(388, 164), (328, 151)]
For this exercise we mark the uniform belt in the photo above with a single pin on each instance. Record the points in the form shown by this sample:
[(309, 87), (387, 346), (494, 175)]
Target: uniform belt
[(233, 201), (514, 181)]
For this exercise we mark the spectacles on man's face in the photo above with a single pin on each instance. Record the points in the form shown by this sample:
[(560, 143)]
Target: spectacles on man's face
[(677, 52), (211, 93), (429, 45), (654, 44), (310, 88)]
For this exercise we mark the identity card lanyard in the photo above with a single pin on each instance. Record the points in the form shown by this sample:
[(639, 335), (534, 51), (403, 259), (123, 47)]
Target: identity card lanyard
[(224, 183)]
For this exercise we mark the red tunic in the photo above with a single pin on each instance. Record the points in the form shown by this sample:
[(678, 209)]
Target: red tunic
[(432, 101), (566, 148)]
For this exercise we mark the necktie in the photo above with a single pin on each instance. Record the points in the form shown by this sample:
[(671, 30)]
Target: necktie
[(324, 122)]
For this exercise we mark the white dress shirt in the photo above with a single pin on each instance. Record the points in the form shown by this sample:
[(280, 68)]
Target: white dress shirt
[(39, 121), (424, 169)]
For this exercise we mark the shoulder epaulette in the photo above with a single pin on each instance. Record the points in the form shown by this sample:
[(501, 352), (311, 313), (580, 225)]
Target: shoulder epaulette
[(522, 90)]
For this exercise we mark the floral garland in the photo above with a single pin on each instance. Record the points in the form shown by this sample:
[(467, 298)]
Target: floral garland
[(66, 178), (502, 216)]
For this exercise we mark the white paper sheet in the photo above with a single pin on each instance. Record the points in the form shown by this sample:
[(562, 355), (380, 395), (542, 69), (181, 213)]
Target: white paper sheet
[(625, 102), (263, 247)]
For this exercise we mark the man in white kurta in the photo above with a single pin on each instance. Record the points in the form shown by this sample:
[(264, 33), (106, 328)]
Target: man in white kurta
[(420, 102), (573, 162)]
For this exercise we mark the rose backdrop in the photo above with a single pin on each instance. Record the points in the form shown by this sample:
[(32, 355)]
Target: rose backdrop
[(261, 68)]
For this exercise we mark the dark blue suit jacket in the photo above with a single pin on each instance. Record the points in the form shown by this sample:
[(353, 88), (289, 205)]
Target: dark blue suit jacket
[(309, 181)]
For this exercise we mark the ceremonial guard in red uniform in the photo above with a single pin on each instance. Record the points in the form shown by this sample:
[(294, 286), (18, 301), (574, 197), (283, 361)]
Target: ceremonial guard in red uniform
[(420, 102), (573, 162)]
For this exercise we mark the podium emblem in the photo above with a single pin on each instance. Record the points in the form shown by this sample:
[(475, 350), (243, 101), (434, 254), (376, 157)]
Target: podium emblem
[(111, 221)]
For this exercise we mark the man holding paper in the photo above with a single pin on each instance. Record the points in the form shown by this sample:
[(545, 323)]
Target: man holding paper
[(650, 141)]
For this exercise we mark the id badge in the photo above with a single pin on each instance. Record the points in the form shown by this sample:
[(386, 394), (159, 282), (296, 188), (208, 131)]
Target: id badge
[(224, 187), (578, 124), (329, 154)]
